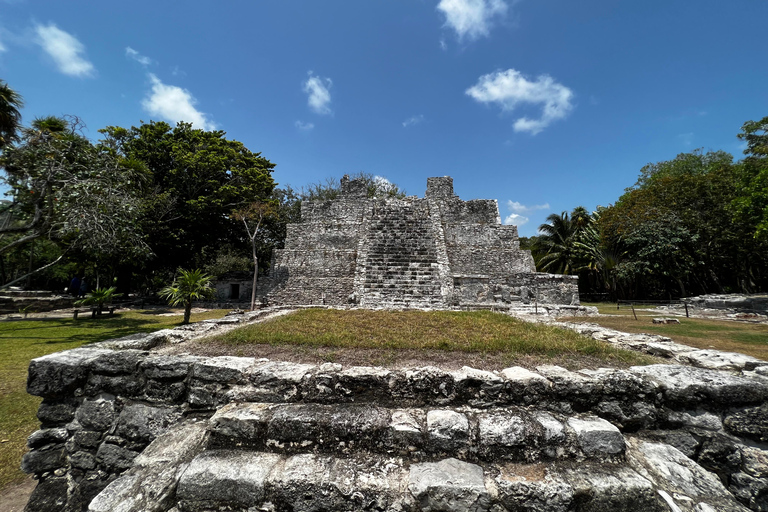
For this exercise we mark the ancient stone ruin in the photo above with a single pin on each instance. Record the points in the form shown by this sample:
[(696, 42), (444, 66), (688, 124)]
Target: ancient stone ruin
[(127, 429), (437, 251)]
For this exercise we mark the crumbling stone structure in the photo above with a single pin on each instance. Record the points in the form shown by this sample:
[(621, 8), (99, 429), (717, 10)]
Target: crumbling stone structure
[(437, 251), (126, 429)]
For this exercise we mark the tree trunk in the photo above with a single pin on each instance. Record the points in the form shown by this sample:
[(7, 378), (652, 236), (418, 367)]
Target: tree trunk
[(253, 290), (187, 312)]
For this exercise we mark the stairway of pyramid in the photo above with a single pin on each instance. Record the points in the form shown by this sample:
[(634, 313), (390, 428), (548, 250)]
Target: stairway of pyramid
[(401, 268)]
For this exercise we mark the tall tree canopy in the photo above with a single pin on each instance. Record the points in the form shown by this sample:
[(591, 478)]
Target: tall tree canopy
[(682, 231), (194, 180), (67, 191), (10, 117)]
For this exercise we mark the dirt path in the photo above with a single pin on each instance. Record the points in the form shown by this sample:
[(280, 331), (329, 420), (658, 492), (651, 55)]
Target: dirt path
[(14, 497)]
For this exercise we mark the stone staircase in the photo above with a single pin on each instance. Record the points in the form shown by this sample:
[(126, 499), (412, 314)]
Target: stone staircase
[(438, 449), (401, 266)]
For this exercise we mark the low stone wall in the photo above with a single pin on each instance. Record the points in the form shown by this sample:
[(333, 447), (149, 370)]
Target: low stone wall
[(123, 428)]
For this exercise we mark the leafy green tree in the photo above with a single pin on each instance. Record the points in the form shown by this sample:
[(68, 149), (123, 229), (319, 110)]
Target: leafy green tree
[(194, 179), (681, 230), (751, 205), (10, 117), (69, 192), (189, 285)]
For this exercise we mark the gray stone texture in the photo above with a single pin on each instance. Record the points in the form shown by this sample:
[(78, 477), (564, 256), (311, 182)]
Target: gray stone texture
[(437, 251)]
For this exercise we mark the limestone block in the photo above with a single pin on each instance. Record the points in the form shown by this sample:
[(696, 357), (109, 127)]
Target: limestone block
[(117, 362), (46, 436), (525, 386), (571, 386), (478, 386), (140, 422), (599, 488), (115, 458), (424, 385), (447, 429), (227, 477), (597, 437), (364, 382), (697, 419), (161, 367), (224, 369), (692, 386), (97, 413), (241, 422), (751, 422), (532, 492), (60, 373), (406, 427), (43, 460), (50, 495), (450, 485), (717, 360), (507, 434), (127, 385), (683, 481), (56, 412)]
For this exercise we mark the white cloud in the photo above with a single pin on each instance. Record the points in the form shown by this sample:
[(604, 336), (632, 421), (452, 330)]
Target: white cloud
[(2, 47), (516, 219), (516, 207), (319, 94), (174, 104), (66, 51), (301, 125), (413, 120), (133, 54), (471, 18), (510, 88)]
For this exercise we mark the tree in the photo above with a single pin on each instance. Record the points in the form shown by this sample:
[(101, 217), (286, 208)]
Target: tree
[(555, 244), (71, 193), (10, 117), (252, 217), (194, 179), (751, 205), (190, 285)]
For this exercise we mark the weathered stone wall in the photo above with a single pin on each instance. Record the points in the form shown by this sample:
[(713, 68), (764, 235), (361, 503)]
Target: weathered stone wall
[(438, 251), (139, 431)]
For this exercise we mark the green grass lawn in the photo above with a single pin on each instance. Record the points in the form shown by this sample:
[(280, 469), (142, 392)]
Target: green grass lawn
[(458, 331), (744, 337), (23, 340)]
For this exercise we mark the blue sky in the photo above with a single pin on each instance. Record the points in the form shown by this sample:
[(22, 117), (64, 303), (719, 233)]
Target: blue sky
[(542, 104)]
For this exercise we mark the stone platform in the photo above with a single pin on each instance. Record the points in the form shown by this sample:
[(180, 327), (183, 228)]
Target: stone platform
[(125, 429)]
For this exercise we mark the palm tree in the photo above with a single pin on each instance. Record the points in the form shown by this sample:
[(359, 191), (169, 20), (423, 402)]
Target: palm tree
[(10, 117), (556, 244), (99, 297), (188, 286)]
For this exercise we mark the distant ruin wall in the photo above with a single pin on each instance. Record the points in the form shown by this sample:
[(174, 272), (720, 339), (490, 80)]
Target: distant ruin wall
[(439, 251)]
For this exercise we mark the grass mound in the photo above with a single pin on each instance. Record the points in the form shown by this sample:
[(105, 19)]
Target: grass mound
[(481, 331)]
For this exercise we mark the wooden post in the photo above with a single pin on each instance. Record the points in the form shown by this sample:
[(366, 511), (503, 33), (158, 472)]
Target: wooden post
[(686, 309), (633, 310)]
